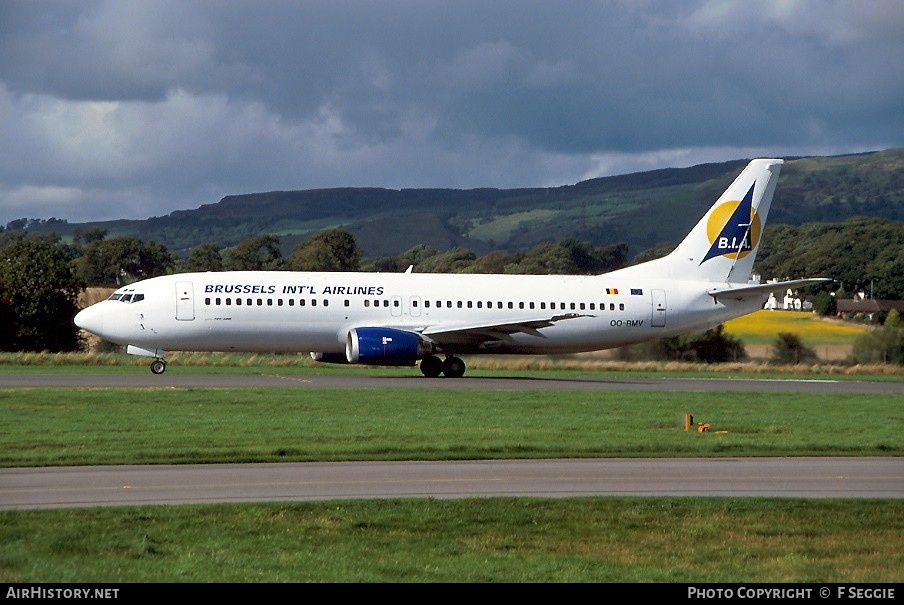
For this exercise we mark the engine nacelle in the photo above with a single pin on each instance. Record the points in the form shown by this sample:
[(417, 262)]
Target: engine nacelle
[(385, 347), (329, 357)]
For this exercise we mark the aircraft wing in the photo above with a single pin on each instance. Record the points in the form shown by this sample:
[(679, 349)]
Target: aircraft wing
[(477, 333), (758, 290)]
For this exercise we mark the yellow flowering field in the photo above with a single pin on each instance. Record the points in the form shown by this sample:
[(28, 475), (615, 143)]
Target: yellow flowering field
[(764, 326)]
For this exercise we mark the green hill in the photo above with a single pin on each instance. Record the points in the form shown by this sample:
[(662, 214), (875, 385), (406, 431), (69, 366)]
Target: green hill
[(644, 210)]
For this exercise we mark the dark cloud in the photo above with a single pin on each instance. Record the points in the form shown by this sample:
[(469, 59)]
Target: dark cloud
[(118, 109)]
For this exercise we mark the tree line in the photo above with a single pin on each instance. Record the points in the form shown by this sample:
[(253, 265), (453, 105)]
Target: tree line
[(42, 276)]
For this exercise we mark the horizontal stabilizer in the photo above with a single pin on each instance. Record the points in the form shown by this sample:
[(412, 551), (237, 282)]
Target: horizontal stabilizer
[(758, 290)]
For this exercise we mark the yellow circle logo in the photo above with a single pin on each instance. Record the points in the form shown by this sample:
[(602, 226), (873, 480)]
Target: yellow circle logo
[(732, 234)]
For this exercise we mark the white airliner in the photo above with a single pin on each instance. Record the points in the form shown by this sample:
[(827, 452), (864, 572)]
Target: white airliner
[(398, 319)]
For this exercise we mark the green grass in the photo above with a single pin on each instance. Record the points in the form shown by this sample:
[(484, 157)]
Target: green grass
[(46, 427), (593, 539), (469, 540)]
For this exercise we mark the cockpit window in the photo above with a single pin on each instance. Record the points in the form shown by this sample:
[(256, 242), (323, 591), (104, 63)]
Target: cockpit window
[(126, 298)]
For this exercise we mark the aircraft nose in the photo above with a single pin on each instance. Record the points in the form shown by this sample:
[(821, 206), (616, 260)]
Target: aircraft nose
[(90, 319)]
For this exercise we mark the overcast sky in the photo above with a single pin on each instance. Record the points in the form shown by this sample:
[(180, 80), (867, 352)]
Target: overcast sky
[(132, 109)]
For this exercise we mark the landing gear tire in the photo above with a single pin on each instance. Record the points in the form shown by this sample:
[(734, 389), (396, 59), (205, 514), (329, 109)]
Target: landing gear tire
[(453, 367), (158, 366), (431, 366)]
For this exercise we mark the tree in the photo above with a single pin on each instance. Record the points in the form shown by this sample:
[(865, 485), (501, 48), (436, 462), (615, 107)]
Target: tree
[(417, 256), (82, 236), (590, 260), (544, 259), (122, 260), (456, 260), (884, 344), (204, 257), (259, 253), (715, 346), (825, 304), (711, 346), (789, 348), (493, 262), (38, 298), (333, 250)]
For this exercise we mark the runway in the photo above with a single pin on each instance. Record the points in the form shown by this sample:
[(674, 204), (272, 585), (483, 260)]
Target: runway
[(299, 379), (828, 477), (66, 487)]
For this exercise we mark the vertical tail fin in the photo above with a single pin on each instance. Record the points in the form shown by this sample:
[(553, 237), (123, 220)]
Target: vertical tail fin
[(723, 245)]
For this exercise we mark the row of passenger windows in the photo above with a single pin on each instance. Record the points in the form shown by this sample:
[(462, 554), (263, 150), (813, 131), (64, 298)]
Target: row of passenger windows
[(395, 303), (470, 304), (248, 302)]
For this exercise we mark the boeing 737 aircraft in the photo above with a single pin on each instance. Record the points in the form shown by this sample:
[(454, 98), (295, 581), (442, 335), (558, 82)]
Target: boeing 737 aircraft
[(402, 318)]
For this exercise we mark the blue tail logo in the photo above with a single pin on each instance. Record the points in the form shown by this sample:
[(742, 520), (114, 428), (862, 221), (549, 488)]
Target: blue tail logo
[(733, 229)]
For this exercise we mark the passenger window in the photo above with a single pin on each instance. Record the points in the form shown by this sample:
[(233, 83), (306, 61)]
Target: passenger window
[(207, 301), (621, 306)]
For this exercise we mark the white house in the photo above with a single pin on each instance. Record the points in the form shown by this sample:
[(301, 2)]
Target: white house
[(790, 302)]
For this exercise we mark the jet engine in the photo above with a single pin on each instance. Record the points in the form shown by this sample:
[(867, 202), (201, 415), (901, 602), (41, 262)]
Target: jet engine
[(385, 347)]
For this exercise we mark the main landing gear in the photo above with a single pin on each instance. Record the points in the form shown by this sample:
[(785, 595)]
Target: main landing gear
[(158, 366), (452, 367)]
